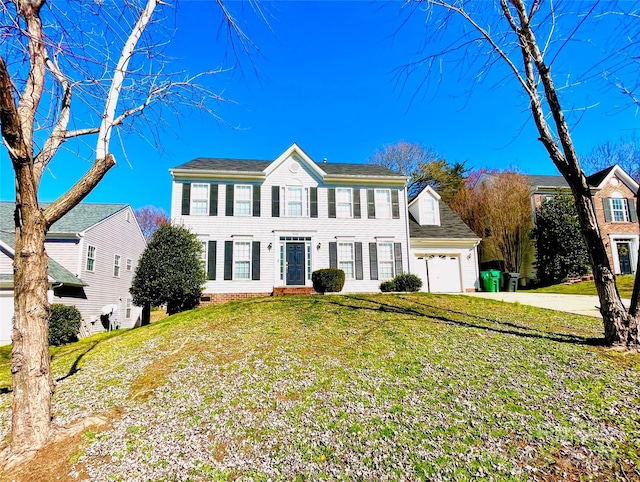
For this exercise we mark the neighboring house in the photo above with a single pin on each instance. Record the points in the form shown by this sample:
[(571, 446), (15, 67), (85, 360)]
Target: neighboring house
[(267, 225), (93, 252), (444, 251), (614, 194)]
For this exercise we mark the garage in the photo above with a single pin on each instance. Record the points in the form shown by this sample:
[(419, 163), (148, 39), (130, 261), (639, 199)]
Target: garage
[(443, 274), (6, 316)]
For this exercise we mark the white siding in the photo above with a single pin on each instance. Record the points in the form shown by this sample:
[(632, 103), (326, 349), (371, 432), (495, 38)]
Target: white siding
[(468, 263), (268, 230), (65, 252), (6, 262)]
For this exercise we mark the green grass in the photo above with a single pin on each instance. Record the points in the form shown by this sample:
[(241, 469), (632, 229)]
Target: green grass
[(624, 282), (411, 387)]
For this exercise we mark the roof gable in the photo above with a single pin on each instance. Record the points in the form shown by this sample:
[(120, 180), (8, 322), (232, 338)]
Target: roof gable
[(299, 156), (426, 191), (601, 178)]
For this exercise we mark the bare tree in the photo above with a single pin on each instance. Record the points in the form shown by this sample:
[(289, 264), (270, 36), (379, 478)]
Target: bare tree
[(108, 72), (403, 157), (526, 38), (625, 152), (150, 218)]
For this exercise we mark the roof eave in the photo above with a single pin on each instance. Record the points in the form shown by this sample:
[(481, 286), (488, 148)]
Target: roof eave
[(215, 174), (377, 180)]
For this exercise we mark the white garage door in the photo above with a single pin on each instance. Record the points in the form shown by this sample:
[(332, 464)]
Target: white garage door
[(444, 274), (6, 316)]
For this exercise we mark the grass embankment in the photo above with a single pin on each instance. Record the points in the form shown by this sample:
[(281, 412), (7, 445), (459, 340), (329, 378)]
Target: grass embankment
[(407, 387), (624, 283)]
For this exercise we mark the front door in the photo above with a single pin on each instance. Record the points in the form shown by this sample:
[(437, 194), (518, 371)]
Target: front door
[(295, 264), (624, 257)]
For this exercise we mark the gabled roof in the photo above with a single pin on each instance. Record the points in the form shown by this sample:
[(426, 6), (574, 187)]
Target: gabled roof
[(451, 227), (80, 218), (600, 178), (57, 273), (425, 190)]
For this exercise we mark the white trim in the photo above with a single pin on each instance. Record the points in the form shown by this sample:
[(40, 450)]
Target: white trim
[(86, 259), (236, 187), (298, 155), (193, 199), (633, 250)]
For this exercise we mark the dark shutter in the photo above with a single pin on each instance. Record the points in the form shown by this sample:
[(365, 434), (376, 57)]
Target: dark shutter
[(395, 204), (333, 255), (371, 207), (186, 198), (255, 260), (359, 274), (397, 252), (229, 203), (356, 205), (632, 210), (228, 260), (213, 200), (275, 201), (606, 204), (314, 202), (332, 202), (373, 260), (256, 201), (211, 260)]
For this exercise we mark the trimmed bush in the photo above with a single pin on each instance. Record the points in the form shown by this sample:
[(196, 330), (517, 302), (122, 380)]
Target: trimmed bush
[(64, 324), (330, 280), (407, 282), (387, 286)]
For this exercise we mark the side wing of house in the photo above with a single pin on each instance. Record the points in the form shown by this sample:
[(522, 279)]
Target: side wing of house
[(443, 249), (267, 225)]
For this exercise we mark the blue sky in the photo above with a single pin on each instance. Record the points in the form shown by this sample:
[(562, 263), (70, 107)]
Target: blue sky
[(325, 77)]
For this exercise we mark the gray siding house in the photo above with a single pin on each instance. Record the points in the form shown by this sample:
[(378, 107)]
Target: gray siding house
[(93, 252)]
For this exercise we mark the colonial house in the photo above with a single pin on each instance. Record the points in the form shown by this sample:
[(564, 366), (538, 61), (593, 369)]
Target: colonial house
[(267, 225), (615, 195), (93, 252)]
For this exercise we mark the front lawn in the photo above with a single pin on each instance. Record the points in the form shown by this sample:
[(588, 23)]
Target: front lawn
[(370, 387), (624, 282)]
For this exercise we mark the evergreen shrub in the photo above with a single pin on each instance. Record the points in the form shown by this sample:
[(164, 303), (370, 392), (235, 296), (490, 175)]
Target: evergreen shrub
[(64, 324), (329, 280)]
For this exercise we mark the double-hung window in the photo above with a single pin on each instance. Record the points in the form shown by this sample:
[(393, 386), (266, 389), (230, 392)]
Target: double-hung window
[(203, 255), (295, 201), (116, 266), (385, 260), (344, 202), (430, 211), (129, 264), (91, 258), (346, 259), (127, 312), (199, 198), (242, 197), (383, 203), (619, 210), (242, 260)]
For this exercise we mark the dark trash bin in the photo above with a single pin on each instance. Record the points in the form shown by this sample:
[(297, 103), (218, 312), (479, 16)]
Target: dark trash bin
[(511, 281)]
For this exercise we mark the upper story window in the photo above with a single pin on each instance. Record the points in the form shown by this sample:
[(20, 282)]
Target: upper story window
[(383, 203), (618, 209), (242, 196), (116, 265), (199, 199), (242, 260), (346, 259), (129, 264), (91, 258), (430, 211), (295, 201), (385, 260), (344, 202)]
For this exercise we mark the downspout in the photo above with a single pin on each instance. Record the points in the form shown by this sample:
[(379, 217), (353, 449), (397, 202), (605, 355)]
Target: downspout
[(406, 225)]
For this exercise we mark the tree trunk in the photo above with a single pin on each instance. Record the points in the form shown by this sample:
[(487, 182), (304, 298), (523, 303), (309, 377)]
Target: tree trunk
[(33, 384)]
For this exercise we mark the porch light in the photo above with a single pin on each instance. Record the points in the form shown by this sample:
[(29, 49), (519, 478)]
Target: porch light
[(319, 246), (270, 246)]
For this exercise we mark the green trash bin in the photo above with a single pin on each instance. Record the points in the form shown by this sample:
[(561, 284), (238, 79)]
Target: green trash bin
[(490, 280)]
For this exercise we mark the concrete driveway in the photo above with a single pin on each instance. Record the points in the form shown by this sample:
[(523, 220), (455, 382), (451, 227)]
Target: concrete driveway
[(578, 304)]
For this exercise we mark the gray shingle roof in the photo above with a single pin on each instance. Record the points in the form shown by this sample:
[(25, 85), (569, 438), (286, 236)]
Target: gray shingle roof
[(57, 272), (81, 217), (596, 178), (451, 226), (547, 181), (255, 166)]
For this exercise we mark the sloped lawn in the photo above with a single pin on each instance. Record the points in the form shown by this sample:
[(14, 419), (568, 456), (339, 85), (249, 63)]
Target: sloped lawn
[(379, 387), (624, 283)]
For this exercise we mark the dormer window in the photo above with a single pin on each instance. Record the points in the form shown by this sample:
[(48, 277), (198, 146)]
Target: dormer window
[(429, 211)]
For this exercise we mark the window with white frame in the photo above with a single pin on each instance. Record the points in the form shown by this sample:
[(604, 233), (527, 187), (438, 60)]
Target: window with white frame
[(116, 265), (199, 198), (385, 260), (242, 260), (127, 311), (91, 258), (344, 202), (295, 200), (430, 211), (383, 203), (346, 259), (619, 210), (203, 255), (242, 200), (129, 264)]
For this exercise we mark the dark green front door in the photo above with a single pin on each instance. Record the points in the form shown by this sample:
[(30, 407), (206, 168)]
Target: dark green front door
[(295, 264), (624, 257)]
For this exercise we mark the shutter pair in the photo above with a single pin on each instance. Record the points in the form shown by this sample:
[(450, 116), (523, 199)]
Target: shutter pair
[(608, 211), (333, 258), (373, 259), (371, 204), (186, 199), (255, 260), (275, 202), (229, 203), (355, 200)]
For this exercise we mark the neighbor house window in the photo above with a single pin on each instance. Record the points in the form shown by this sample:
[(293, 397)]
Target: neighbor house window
[(200, 199), (385, 260), (346, 259), (383, 203), (242, 200), (294, 201), (129, 264), (127, 311), (91, 257), (344, 202), (116, 265), (242, 260)]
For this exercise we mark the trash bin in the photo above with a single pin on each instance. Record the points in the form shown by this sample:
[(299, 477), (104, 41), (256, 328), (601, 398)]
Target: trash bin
[(511, 281), (490, 282)]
